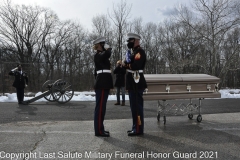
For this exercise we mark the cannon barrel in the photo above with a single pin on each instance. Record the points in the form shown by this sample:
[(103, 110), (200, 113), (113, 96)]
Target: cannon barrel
[(14, 69), (49, 86), (60, 83)]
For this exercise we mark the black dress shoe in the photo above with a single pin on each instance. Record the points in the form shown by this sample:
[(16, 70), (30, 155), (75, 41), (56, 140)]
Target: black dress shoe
[(102, 135), (129, 131), (134, 134), (107, 132)]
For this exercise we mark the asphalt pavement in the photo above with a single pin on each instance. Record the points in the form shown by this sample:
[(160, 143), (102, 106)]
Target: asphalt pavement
[(45, 130)]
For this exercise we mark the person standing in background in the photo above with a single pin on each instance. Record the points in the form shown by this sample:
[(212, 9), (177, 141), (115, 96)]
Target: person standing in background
[(20, 82), (120, 72)]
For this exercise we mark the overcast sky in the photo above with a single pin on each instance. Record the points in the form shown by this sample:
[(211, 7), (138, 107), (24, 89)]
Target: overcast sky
[(84, 10)]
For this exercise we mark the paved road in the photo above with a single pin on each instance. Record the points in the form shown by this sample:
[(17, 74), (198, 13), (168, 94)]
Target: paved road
[(78, 111), (55, 131)]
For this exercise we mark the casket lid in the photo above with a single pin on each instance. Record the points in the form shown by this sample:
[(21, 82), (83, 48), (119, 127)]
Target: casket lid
[(153, 78)]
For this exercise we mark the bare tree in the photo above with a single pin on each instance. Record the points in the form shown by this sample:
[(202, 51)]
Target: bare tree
[(148, 43), (216, 17), (53, 46), (25, 27), (229, 60), (119, 16), (135, 25), (23, 30), (101, 25)]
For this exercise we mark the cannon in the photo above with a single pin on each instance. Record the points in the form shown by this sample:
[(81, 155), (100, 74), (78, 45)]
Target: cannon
[(59, 91)]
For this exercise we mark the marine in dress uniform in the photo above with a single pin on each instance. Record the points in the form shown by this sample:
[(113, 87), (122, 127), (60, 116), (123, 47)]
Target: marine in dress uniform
[(103, 84), (135, 82), (20, 82)]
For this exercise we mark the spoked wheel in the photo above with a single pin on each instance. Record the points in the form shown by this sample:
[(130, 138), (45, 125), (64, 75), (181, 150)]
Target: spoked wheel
[(199, 118), (190, 116), (46, 87), (62, 91)]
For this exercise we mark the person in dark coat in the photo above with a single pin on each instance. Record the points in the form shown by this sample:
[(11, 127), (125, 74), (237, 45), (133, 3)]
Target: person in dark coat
[(135, 82), (120, 72), (103, 84), (20, 82)]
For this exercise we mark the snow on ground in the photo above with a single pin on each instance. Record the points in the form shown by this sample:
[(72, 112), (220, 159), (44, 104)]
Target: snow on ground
[(89, 96), (230, 93)]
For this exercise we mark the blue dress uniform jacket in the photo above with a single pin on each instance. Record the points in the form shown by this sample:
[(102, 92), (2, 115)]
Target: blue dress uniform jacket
[(102, 86), (138, 61), (103, 80), (20, 79), (135, 90)]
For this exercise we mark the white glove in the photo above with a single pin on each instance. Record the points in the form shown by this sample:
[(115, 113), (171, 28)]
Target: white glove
[(14, 69), (106, 46), (26, 85), (123, 64)]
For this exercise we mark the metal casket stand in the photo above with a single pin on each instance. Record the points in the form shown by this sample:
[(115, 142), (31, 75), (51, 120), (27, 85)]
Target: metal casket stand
[(60, 91), (163, 87)]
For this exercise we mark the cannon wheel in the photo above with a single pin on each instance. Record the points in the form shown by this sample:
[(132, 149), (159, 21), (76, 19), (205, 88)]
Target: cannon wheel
[(62, 93), (45, 87)]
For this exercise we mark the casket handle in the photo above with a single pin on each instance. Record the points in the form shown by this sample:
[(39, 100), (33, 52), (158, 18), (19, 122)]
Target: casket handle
[(167, 88), (182, 92), (189, 88), (208, 87)]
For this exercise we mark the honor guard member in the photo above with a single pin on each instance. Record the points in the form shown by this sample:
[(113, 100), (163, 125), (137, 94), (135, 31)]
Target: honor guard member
[(20, 82), (135, 82), (103, 84)]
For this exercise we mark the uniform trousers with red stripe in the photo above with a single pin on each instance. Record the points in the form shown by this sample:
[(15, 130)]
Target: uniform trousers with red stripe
[(100, 110), (136, 104)]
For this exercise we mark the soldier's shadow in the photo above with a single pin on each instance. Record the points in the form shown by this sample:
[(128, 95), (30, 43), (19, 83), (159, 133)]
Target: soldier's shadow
[(25, 109)]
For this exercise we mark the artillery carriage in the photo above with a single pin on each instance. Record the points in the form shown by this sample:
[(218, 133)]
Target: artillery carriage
[(59, 91)]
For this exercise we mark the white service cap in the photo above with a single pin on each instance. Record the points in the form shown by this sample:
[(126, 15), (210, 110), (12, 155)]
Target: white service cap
[(98, 40), (133, 35)]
